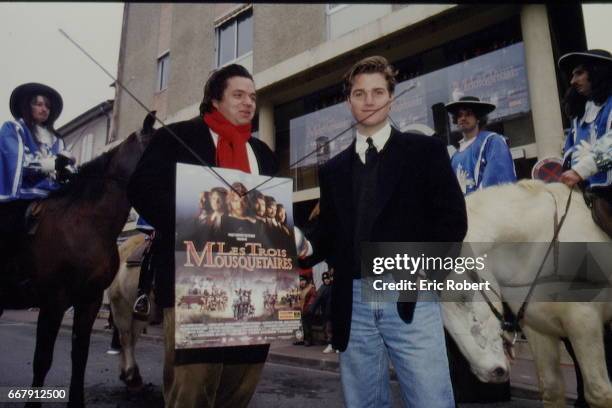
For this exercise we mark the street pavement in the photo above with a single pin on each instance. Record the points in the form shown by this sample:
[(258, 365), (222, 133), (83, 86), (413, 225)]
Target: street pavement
[(282, 385)]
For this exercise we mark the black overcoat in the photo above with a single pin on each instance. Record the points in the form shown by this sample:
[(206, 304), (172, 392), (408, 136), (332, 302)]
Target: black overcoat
[(418, 200)]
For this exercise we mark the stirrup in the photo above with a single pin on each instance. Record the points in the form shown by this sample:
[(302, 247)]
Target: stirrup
[(142, 307)]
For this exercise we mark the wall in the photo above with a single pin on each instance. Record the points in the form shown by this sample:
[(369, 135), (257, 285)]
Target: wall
[(138, 69), (284, 30)]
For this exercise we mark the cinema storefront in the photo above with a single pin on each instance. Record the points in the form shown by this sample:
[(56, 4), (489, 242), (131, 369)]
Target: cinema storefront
[(502, 54)]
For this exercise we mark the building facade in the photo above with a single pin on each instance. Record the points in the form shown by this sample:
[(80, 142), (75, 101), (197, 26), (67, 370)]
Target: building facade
[(298, 53), (87, 135)]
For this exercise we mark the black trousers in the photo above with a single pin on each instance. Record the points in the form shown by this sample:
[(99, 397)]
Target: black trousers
[(12, 226), (15, 288), (147, 271), (307, 326), (12, 216)]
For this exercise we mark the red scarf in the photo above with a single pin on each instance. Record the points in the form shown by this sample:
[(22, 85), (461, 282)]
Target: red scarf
[(231, 146)]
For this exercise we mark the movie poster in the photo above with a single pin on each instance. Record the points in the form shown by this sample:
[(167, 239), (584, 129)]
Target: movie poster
[(235, 259)]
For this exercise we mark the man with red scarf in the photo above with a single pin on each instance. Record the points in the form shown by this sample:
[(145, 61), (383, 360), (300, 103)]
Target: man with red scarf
[(221, 136)]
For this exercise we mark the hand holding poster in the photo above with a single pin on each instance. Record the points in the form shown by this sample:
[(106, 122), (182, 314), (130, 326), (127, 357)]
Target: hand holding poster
[(236, 282)]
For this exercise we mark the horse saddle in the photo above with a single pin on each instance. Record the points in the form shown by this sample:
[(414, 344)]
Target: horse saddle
[(138, 255)]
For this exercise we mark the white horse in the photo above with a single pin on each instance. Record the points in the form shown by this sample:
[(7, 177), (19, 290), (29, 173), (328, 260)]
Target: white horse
[(524, 212), (122, 294)]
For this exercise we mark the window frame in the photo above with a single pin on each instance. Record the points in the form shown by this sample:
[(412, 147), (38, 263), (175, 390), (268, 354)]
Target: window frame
[(231, 20), (163, 67), (331, 10)]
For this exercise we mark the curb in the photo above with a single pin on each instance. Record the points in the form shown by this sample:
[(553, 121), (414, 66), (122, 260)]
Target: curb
[(525, 392), (294, 361)]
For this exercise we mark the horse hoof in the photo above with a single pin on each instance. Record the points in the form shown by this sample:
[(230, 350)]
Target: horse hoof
[(132, 379), (135, 384)]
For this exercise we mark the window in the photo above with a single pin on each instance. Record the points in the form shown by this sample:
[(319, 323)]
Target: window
[(163, 71), (235, 38), (86, 148), (489, 64)]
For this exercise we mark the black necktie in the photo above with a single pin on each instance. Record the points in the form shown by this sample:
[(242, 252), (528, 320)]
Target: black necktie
[(367, 199), (371, 154)]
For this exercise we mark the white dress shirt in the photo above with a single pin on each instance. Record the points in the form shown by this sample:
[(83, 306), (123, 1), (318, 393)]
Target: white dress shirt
[(379, 139)]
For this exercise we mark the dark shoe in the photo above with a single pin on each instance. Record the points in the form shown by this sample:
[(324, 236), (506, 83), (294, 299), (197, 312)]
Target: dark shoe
[(298, 343), (142, 307)]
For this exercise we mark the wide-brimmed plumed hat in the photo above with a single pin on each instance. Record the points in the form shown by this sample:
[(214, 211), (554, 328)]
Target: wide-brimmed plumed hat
[(470, 102), (571, 60), (28, 90)]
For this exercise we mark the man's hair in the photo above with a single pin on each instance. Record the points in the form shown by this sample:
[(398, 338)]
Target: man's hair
[(219, 190), (205, 201), (217, 82), (25, 108), (239, 188), (256, 195), (482, 121), (600, 77), (370, 65), (270, 200)]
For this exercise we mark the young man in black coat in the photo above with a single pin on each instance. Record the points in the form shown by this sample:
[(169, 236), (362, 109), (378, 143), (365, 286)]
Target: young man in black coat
[(387, 186), (220, 135)]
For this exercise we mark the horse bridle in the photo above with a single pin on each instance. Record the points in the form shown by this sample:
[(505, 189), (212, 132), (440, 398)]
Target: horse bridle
[(514, 325)]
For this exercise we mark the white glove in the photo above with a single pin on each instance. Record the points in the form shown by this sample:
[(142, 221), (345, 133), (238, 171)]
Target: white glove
[(47, 165)]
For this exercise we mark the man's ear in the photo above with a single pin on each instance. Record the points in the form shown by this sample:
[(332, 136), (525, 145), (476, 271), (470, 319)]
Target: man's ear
[(215, 104)]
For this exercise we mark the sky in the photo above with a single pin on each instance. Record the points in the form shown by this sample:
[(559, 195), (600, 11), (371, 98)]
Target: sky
[(33, 49)]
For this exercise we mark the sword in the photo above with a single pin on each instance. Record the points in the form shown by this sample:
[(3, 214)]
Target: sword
[(196, 155)]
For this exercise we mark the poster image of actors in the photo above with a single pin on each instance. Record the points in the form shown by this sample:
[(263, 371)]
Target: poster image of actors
[(236, 274)]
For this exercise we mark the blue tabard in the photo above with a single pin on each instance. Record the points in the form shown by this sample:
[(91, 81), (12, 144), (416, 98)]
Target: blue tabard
[(486, 162), (20, 154), (583, 134), (143, 226)]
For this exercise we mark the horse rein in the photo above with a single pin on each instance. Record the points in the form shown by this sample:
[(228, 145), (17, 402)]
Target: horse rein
[(514, 325)]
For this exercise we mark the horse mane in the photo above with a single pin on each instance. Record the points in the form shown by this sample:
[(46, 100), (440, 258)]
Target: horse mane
[(88, 184), (559, 190), (523, 189), (510, 212)]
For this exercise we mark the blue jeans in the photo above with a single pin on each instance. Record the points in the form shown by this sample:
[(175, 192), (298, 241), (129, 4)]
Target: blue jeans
[(417, 351)]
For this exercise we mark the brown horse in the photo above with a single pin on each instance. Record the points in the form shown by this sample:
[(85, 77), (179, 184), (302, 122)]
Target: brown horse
[(72, 257)]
